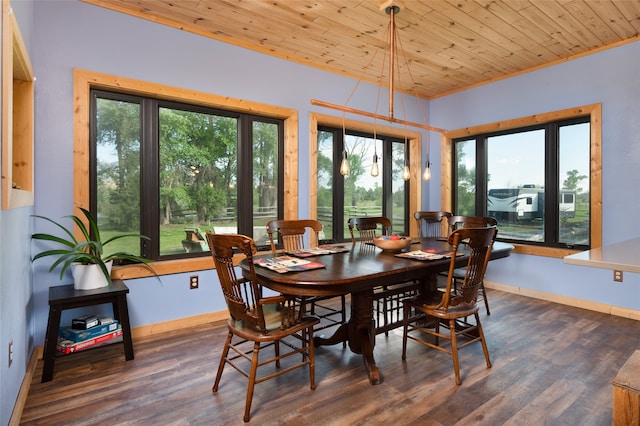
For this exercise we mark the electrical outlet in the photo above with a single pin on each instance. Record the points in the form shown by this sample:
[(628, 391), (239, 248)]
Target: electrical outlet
[(193, 282), (617, 276), (10, 352)]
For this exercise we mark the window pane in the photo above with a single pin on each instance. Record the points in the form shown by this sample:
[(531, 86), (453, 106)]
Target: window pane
[(325, 182), (574, 142), (359, 193), (516, 177), (265, 178), (118, 172), (198, 178), (362, 192), (398, 188), (465, 202)]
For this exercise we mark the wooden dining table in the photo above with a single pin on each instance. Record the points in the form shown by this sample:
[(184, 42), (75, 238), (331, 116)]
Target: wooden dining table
[(358, 272)]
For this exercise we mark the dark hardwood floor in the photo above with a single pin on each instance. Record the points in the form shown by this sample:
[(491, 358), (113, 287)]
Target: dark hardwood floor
[(552, 364)]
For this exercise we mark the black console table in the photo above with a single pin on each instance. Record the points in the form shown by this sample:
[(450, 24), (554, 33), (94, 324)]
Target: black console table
[(66, 297)]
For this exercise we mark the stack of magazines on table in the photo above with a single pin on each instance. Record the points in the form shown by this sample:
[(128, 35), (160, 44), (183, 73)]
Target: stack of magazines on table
[(318, 251), (283, 264), (428, 254)]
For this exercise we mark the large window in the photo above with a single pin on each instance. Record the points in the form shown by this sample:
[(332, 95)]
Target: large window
[(537, 180), (185, 169), (360, 193)]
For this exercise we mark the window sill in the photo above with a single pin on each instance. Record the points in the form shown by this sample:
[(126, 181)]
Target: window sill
[(168, 267), (558, 253)]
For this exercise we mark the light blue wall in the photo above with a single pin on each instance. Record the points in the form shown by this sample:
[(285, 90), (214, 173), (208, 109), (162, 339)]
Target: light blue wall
[(16, 299), (70, 34), (610, 78)]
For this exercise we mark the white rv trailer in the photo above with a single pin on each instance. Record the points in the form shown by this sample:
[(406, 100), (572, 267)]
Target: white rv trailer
[(526, 203)]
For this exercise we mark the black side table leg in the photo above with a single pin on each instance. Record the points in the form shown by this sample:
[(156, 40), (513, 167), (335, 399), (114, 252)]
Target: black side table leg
[(51, 340), (121, 311)]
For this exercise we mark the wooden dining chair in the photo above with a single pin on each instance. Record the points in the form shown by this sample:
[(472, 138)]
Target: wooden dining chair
[(457, 222), (432, 224), (368, 227), (291, 233), (387, 298), (263, 321), (450, 309)]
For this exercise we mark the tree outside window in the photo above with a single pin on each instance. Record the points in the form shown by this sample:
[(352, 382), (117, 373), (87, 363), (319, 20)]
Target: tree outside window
[(172, 171)]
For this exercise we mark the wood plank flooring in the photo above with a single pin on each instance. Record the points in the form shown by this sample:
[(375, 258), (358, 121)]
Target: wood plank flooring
[(552, 364)]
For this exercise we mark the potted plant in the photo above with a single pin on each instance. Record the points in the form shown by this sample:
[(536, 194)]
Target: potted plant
[(89, 266)]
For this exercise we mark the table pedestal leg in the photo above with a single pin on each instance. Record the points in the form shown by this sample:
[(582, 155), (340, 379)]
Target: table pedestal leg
[(429, 283), (359, 332), (362, 332), (340, 335)]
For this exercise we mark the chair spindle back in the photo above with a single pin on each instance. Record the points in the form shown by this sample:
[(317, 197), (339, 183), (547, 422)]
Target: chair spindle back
[(367, 227), (242, 295), (430, 224), (480, 242), (291, 233)]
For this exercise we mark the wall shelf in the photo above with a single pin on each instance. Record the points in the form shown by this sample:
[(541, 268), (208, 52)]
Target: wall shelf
[(17, 115)]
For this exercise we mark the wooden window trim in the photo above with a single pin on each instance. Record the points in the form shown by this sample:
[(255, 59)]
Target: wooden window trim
[(415, 161), (84, 81), (594, 111)]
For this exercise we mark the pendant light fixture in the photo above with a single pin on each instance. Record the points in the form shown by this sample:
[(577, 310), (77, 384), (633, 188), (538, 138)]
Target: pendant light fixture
[(391, 8), (374, 167), (426, 175), (345, 169), (406, 173), (427, 170)]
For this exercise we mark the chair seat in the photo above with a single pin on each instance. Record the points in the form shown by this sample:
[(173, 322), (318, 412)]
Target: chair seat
[(430, 307), (275, 332)]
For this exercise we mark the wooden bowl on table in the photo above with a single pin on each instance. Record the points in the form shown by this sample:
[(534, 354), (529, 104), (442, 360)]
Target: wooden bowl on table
[(391, 243)]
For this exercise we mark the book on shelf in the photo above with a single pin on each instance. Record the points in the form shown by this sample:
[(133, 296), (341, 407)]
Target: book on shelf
[(75, 335), (428, 254), (283, 264), (67, 346), (317, 251)]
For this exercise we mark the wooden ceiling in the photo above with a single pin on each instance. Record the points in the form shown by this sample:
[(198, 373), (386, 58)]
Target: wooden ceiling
[(450, 45)]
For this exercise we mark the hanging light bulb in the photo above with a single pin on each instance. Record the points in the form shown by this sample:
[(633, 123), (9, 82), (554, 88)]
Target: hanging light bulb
[(344, 166), (374, 166), (427, 170), (427, 173), (406, 174)]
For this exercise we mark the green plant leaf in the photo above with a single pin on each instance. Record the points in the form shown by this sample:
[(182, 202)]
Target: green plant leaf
[(89, 251)]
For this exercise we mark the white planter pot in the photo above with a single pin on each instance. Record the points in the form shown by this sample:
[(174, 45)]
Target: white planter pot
[(89, 277)]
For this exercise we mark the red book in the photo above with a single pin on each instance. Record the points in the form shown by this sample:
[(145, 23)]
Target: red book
[(67, 346)]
